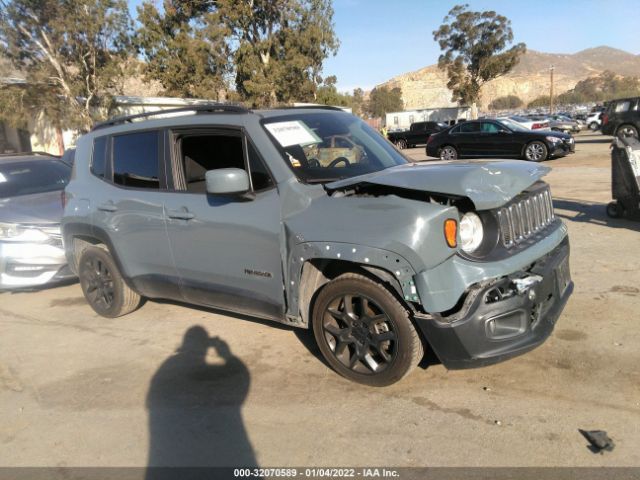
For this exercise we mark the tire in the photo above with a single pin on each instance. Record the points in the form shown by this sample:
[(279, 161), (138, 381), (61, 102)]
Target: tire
[(103, 286), (536, 151), (448, 153), (615, 210), (373, 341), (593, 126), (401, 144), (626, 130)]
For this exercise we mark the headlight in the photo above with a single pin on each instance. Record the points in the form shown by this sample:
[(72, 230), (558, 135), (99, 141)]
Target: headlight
[(471, 232), (554, 139), (16, 233)]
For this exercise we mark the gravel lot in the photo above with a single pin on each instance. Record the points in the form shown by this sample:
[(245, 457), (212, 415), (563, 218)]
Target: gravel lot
[(78, 390)]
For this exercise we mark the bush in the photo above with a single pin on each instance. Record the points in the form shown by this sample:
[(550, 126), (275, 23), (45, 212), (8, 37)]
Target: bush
[(508, 102)]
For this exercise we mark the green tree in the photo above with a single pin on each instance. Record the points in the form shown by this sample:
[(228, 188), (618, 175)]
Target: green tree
[(185, 47), (72, 53), (507, 102), (382, 100), (279, 47), (327, 94), (357, 102), (474, 46), (606, 86)]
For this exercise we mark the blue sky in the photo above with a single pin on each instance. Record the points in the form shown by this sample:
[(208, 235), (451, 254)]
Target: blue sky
[(383, 38)]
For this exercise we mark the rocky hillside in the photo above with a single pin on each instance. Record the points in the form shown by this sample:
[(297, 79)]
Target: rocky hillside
[(427, 87)]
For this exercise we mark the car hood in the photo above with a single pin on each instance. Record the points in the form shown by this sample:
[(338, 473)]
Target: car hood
[(36, 209), (488, 184)]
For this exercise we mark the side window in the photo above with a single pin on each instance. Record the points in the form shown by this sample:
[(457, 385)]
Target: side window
[(469, 127), (622, 106), (488, 127), (135, 160), (201, 153), (260, 178), (99, 157)]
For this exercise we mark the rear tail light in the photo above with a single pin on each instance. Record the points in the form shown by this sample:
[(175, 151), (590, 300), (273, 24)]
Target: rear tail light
[(63, 199), (537, 126), (605, 119), (429, 138)]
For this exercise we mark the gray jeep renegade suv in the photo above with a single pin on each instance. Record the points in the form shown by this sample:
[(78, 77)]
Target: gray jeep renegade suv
[(310, 218)]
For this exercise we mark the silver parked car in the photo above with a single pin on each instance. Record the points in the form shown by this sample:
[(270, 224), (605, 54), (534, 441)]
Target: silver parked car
[(258, 212), (31, 189)]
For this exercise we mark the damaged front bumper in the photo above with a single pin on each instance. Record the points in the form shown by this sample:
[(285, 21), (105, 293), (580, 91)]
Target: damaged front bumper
[(503, 317)]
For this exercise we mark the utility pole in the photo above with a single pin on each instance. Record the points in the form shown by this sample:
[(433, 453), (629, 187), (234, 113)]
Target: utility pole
[(551, 91)]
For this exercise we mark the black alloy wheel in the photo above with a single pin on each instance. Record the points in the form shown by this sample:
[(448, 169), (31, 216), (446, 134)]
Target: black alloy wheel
[(360, 334), (364, 332), (98, 283), (103, 285)]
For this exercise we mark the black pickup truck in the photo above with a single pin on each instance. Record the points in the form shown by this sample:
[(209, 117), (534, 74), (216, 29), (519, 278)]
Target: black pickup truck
[(417, 134)]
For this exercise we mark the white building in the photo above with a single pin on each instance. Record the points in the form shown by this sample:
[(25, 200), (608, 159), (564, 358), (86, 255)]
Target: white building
[(402, 120)]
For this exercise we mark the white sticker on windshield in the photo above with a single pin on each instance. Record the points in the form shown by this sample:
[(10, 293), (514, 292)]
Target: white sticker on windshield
[(292, 133)]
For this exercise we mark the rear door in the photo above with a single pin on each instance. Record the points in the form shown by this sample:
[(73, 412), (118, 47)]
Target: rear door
[(129, 208), (226, 248), (466, 138)]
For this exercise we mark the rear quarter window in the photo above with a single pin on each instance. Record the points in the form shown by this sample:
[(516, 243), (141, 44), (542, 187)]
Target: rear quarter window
[(135, 160), (99, 157)]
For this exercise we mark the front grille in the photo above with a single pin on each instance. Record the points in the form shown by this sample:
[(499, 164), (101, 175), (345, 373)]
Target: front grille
[(527, 215)]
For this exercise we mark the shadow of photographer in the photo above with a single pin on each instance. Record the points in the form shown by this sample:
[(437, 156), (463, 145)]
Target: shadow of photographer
[(195, 417)]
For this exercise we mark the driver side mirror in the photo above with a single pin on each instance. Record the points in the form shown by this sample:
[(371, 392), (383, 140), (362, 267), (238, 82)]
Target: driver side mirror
[(227, 181)]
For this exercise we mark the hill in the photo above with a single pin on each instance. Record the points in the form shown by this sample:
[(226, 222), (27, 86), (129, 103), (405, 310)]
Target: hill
[(529, 79)]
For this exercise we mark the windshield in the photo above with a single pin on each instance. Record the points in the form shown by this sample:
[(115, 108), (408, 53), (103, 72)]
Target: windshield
[(516, 127), (325, 146), (32, 176)]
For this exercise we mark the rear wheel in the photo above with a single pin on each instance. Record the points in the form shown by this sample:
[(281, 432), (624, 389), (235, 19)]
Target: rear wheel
[(364, 332), (536, 151), (448, 153), (594, 126), (615, 210), (103, 285), (401, 144), (627, 131)]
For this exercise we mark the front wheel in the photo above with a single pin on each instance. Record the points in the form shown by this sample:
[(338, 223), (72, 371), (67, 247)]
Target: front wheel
[(103, 285), (364, 332), (593, 126), (627, 131), (536, 152), (448, 153)]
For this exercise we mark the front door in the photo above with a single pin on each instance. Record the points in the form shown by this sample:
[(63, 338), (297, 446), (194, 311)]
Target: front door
[(226, 248)]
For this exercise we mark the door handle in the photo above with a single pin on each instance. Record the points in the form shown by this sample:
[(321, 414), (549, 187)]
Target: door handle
[(182, 214), (107, 207)]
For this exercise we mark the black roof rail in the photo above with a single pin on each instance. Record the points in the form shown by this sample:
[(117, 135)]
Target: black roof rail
[(313, 107), (37, 152), (203, 108)]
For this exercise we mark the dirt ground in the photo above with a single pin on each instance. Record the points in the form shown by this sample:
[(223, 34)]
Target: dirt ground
[(176, 385)]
